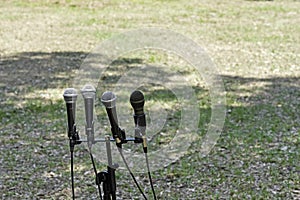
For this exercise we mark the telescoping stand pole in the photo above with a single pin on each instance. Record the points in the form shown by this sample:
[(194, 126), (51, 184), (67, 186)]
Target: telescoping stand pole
[(73, 141), (108, 177)]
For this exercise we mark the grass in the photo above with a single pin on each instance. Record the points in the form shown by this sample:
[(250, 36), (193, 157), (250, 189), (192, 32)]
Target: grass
[(255, 45)]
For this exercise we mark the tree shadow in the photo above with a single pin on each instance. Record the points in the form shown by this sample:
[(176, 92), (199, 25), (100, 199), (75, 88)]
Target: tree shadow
[(267, 108)]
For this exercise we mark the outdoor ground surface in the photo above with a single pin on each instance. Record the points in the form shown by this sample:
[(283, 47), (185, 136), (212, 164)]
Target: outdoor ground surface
[(254, 44)]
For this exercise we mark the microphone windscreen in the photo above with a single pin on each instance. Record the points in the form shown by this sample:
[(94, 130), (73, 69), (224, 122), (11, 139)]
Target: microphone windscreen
[(88, 91), (108, 99), (70, 95), (137, 100)]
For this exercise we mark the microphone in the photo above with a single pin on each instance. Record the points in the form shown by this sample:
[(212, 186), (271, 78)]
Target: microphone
[(70, 96), (88, 93), (109, 101), (137, 102)]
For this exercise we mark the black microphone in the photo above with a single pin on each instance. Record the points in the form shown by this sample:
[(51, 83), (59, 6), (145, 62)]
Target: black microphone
[(70, 96), (137, 102), (109, 101), (88, 93)]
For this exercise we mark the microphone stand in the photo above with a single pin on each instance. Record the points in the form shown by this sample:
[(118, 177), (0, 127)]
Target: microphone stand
[(73, 140), (107, 178)]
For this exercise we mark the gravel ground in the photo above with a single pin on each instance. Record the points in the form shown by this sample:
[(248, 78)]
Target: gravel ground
[(255, 45)]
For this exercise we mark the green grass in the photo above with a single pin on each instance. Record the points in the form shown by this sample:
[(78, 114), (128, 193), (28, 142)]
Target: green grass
[(255, 45)]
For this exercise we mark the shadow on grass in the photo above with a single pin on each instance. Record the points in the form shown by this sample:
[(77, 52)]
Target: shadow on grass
[(261, 131)]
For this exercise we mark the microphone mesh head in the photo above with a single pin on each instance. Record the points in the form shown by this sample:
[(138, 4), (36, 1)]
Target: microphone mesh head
[(137, 100), (88, 91), (108, 99), (70, 95)]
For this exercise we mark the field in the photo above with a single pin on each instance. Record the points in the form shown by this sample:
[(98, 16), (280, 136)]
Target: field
[(255, 46)]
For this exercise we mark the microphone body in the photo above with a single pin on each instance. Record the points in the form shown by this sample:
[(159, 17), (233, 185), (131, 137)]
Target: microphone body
[(109, 101), (88, 93), (137, 102), (70, 97)]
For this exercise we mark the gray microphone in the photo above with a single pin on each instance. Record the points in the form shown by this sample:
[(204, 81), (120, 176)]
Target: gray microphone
[(88, 93), (70, 96)]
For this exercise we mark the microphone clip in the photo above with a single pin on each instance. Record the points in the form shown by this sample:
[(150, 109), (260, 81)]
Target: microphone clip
[(74, 138), (120, 137)]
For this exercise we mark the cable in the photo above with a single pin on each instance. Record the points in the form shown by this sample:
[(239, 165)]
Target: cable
[(149, 175), (135, 181), (95, 170), (72, 176)]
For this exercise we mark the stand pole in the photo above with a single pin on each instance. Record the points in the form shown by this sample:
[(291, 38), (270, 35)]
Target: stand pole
[(108, 178), (72, 145), (72, 175), (74, 140)]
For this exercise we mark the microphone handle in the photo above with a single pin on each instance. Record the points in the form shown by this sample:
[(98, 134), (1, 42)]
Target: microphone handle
[(118, 134), (89, 115), (113, 119), (140, 130), (71, 107), (140, 122)]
